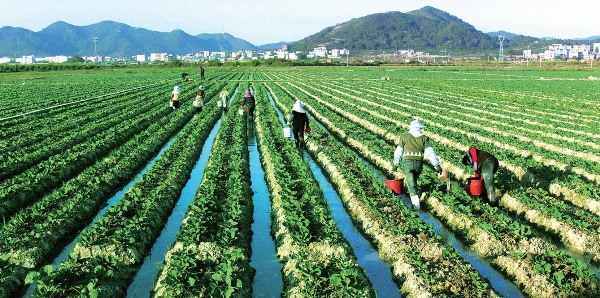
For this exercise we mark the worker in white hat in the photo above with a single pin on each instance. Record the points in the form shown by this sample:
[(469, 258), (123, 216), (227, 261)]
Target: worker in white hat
[(300, 123), (199, 101), (175, 98), (412, 148)]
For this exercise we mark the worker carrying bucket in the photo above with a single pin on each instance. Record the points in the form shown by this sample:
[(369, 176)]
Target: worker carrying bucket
[(299, 122), (412, 148), (485, 166)]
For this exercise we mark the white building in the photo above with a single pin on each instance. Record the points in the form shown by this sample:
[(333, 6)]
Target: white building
[(159, 57), (140, 58), (581, 51), (320, 51)]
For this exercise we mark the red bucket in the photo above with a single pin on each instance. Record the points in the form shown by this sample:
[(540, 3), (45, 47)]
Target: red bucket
[(308, 129), (395, 185), (474, 186)]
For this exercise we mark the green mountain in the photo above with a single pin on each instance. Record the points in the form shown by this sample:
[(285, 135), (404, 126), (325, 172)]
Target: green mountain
[(114, 39), (426, 29)]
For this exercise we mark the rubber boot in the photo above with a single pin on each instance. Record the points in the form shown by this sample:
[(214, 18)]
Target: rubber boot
[(415, 201), (492, 197)]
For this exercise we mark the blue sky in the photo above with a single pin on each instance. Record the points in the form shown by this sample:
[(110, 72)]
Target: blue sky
[(267, 21)]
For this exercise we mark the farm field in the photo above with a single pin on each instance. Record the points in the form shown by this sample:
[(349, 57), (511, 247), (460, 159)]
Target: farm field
[(94, 166)]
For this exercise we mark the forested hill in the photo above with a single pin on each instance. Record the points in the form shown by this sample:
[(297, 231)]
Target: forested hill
[(425, 29), (114, 39)]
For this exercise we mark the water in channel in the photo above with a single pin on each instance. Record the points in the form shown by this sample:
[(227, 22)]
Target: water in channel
[(502, 286), (111, 202), (144, 280), (268, 281), (378, 273)]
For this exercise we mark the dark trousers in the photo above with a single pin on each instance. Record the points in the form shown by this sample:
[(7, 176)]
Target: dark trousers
[(412, 170), (488, 168), (251, 110), (299, 137)]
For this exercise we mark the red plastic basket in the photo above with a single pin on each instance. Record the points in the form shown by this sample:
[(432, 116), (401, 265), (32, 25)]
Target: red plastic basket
[(395, 185), (474, 186)]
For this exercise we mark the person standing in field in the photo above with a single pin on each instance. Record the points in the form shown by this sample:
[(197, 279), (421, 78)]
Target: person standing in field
[(485, 165), (175, 98), (412, 148), (201, 72), (223, 100), (249, 101), (199, 101), (299, 123)]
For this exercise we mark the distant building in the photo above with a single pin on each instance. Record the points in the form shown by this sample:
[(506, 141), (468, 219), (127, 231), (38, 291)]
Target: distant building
[(164, 57), (319, 51), (140, 58), (560, 51)]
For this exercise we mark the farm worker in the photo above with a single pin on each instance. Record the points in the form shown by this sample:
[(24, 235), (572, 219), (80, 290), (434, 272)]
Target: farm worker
[(201, 72), (175, 98), (412, 148), (249, 101), (199, 102), (184, 76), (484, 164), (224, 96), (299, 123)]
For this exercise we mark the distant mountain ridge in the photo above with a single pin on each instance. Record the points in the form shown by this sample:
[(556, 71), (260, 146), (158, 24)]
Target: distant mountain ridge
[(114, 39), (425, 29)]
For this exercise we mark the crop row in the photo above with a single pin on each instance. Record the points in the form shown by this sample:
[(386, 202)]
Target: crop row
[(470, 230), (316, 259), (211, 256), (527, 172), (588, 227), (34, 235), (108, 254), (26, 150), (419, 258)]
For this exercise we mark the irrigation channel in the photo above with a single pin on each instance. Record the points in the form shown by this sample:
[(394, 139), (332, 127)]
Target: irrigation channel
[(111, 202), (268, 281), (497, 281), (377, 271), (143, 282)]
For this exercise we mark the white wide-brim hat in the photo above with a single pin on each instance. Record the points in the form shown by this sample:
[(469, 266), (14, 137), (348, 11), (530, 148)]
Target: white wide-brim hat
[(416, 124)]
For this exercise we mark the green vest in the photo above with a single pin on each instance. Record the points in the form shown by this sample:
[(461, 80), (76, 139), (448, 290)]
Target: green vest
[(413, 147)]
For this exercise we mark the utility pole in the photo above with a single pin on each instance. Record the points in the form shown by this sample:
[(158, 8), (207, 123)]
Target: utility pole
[(501, 52), (347, 54), (95, 49)]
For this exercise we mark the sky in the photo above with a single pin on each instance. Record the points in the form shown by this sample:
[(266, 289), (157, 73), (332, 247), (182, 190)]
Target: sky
[(268, 21)]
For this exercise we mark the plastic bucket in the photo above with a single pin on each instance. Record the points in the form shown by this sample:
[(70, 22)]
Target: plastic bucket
[(287, 132), (308, 129), (474, 186), (443, 175), (241, 112), (395, 185)]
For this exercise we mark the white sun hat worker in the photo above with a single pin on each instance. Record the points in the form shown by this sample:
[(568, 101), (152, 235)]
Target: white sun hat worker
[(299, 123), (174, 102), (413, 147)]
